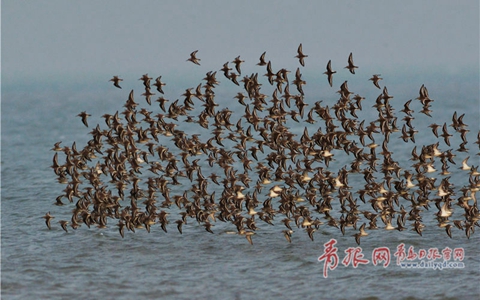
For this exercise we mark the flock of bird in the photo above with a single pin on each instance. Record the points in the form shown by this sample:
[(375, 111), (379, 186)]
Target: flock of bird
[(143, 171)]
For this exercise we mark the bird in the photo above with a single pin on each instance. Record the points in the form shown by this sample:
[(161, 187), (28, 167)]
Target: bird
[(434, 129), (351, 67), (159, 84), (226, 70), (121, 228), (310, 231), (360, 234), (237, 61), (58, 200), (406, 108), (148, 95), (446, 136), (329, 72), (288, 235), (116, 81), (270, 75), (207, 226), (300, 55), (445, 211), (179, 225), (47, 218), (286, 221), (375, 78), (448, 230), (262, 60), (63, 224), (465, 166), (247, 234), (146, 80), (193, 58), (84, 117), (57, 147)]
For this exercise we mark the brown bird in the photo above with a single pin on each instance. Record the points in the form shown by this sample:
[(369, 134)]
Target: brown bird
[(330, 73), (270, 73), (288, 235), (446, 136), (148, 95), (298, 81), (360, 234), (193, 58), (208, 227), (375, 79), (434, 129), (262, 60), (179, 225), (448, 229), (58, 200), (146, 80), (300, 55), (406, 109), (286, 221), (121, 228), (84, 117), (310, 231), (247, 234), (158, 83), (162, 102), (56, 147), (226, 70), (63, 224), (116, 80), (351, 67), (47, 218), (237, 61)]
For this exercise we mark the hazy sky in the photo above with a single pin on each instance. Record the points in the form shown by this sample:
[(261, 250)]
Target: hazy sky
[(54, 39)]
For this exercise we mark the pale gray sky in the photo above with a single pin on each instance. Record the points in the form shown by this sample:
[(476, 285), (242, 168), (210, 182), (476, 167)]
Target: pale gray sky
[(54, 39)]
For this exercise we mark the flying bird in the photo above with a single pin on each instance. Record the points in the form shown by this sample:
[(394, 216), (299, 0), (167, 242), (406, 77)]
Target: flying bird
[(84, 117), (301, 56), (116, 81), (330, 73), (375, 78), (237, 61), (47, 218), (351, 67), (146, 80), (158, 83), (63, 224), (193, 58), (262, 60)]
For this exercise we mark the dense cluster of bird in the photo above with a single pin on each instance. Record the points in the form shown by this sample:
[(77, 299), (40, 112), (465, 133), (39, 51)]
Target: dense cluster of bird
[(143, 171)]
